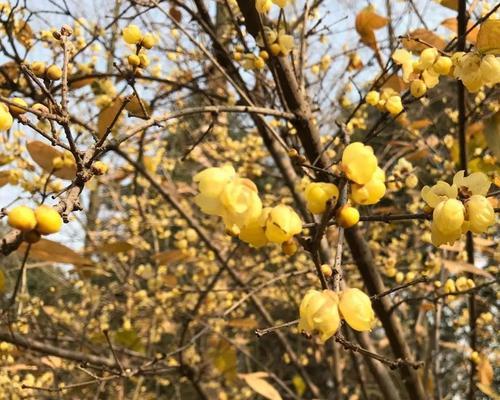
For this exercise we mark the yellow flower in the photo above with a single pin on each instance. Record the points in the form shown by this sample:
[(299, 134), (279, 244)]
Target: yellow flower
[(263, 6), (480, 214), (211, 183), (254, 233), (372, 191), (270, 35), (6, 119), (394, 105), (427, 57), (359, 163), (347, 216), (132, 34), (48, 220), (475, 183), (490, 69), (22, 218), (447, 221), (319, 313), (449, 286), (418, 88), (405, 59), (430, 78), (317, 194), (286, 43), (443, 65), (240, 203), (467, 69), (439, 192), (448, 216), (372, 97), (281, 3), (356, 308), (282, 224)]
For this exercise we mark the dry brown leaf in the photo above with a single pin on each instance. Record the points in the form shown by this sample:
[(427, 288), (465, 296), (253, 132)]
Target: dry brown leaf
[(134, 107), (485, 371), (43, 154), (367, 21), (258, 384), (492, 134), (451, 4), (421, 123), (452, 25), (4, 178), (488, 390), (24, 34), (107, 116), (2, 281), (169, 280), (115, 247), (463, 348), (9, 72), (418, 154), (456, 267), (223, 356), (487, 38), (52, 361), (396, 83), (175, 13), (47, 250), (169, 256), (426, 37), (243, 323), (77, 82)]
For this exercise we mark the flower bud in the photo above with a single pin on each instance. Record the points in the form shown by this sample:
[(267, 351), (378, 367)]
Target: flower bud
[(356, 308)]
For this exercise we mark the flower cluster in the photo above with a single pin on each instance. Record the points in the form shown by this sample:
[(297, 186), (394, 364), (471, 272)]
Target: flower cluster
[(423, 73), (236, 200), (459, 207), (386, 100), (476, 71), (279, 43), (132, 35), (321, 311), (44, 220), (360, 166)]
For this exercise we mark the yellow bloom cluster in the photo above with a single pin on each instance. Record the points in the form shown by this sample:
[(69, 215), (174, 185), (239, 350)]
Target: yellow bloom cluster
[(132, 35), (44, 219), (321, 311), (423, 73), (476, 71), (360, 166), (236, 200), (278, 43), (459, 207), (386, 100)]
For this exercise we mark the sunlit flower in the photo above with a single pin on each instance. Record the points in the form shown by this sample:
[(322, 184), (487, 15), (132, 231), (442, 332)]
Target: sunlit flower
[(356, 308), (319, 313)]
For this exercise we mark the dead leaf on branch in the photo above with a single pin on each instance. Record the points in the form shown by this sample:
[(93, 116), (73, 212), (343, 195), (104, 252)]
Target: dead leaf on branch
[(456, 267), (258, 384), (421, 39), (44, 154), (367, 21), (47, 250)]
